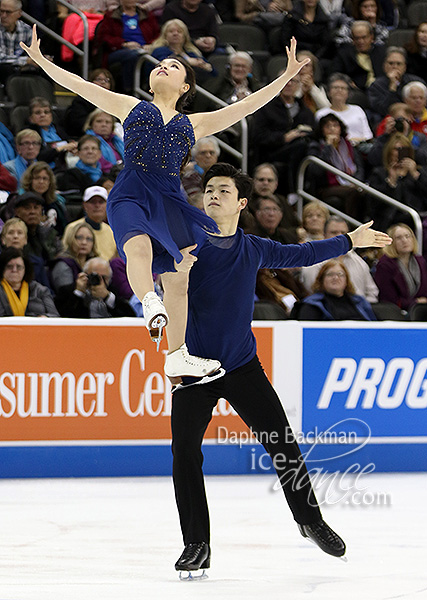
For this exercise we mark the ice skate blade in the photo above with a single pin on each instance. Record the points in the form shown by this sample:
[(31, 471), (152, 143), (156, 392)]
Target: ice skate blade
[(179, 385), (156, 329), (188, 576)]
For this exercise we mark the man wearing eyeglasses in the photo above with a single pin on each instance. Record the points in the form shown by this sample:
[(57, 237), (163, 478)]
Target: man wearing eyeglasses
[(12, 32)]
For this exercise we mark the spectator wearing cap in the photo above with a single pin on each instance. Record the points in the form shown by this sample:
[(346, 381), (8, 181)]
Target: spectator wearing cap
[(28, 144), (43, 240), (95, 207)]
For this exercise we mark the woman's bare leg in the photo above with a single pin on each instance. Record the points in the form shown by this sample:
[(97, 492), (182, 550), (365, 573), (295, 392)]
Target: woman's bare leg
[(175, 299), (139, 258)]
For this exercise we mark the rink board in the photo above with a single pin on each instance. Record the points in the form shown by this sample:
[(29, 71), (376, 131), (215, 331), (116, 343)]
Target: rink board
[(89, 398)]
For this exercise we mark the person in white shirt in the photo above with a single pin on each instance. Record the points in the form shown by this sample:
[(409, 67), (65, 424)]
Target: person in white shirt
[(358, 269)]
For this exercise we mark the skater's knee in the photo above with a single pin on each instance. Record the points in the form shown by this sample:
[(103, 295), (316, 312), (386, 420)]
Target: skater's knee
[(138, 247)]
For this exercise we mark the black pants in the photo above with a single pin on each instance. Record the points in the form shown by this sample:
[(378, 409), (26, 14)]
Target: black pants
[(252, 396)]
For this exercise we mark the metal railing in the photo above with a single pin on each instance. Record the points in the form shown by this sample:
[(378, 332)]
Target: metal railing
[(242, 156), (83, 53), (359, 184)]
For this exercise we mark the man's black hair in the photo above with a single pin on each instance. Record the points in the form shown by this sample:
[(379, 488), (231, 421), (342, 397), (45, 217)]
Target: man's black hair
[(242, 181)]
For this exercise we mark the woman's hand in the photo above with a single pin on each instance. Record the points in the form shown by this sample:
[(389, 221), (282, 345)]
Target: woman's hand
[(332, 140), (34, 50), (294, 66), (188, 259), (410, 166), (365, 237)]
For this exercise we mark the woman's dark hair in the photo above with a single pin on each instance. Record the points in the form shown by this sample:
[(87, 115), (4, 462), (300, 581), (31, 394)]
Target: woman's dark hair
[(357, 13), (413, 46), (242, 181), (9, 254), (190, 78), (318, 132)]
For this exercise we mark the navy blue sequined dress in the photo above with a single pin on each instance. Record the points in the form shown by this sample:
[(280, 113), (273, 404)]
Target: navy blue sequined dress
[(147, 196)]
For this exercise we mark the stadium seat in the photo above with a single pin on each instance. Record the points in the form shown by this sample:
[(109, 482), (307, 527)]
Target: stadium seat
[(268, 311), (417, 13), (386, 311), (21, 89), (244, 37), (399, 37)]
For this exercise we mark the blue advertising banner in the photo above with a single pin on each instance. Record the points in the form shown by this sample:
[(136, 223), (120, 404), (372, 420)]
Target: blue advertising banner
[(364, 382)]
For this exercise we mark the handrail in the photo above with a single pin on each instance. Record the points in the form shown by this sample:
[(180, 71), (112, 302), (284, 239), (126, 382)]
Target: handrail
[(367, 188), (242, 155), (85, 52)]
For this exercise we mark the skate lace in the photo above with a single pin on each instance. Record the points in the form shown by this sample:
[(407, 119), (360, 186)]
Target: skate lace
[(192, 551)]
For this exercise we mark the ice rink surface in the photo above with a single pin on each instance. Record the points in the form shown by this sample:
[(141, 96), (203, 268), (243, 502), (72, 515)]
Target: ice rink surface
[(118, 539)]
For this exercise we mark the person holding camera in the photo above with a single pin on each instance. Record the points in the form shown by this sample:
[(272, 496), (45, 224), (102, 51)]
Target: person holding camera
[(92, 297), (398, 121), (400, 178)]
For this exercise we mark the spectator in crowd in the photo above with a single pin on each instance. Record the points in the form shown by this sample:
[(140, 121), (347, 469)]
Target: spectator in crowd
[(7, 150), (268, 214), (398, 120), (8, 183), (332, 145), (280, 131), (401, 179), (28, 144), (388, 88), (73, 29), (54, 139), (89, 169), (357, 268), (95, 207), (101, 125), (401, 274), (20, 295), (314, 217), (12, 32), (361, 60), (238, 80), (200, 19), (39, 178), (81, 246), (280, 287), (15, 234), (309, 25), (336, 10), (312, 96), (79, 109), (364, 10), (92, 297), (417, 52), (265, 183), (123, 33), (147, 5), (204, 153), (353, 116), (334, 297), (43, 240), (265, 13), (175, 39), (415, 96)]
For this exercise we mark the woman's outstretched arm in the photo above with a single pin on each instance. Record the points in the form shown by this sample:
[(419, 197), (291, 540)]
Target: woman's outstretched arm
[(209, 123), (118, 105)]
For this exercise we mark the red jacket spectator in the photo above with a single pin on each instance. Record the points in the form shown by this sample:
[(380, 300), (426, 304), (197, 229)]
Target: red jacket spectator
[(7, 180), (110, 30)]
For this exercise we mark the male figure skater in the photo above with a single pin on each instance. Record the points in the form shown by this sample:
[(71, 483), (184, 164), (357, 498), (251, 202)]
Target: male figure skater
[(221, 297)]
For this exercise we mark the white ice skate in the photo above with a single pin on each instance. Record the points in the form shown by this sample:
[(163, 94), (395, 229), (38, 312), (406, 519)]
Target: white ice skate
[(155, 315), (182, 364)]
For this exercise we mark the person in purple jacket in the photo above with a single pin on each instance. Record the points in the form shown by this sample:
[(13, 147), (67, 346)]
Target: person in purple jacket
[(401, 274), (221, 299)]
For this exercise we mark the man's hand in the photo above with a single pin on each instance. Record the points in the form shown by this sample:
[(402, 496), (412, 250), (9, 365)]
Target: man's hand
[(365, 237), (188, 259), (81, 282), (99, 291)]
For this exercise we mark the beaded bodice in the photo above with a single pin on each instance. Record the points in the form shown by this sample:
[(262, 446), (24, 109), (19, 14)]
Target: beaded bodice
[(152, 145)]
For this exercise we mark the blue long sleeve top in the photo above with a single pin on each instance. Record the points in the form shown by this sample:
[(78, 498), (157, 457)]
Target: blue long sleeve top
[(222, 286)]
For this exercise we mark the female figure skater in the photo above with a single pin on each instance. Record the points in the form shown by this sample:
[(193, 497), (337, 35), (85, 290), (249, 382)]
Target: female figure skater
[(147, 211)]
